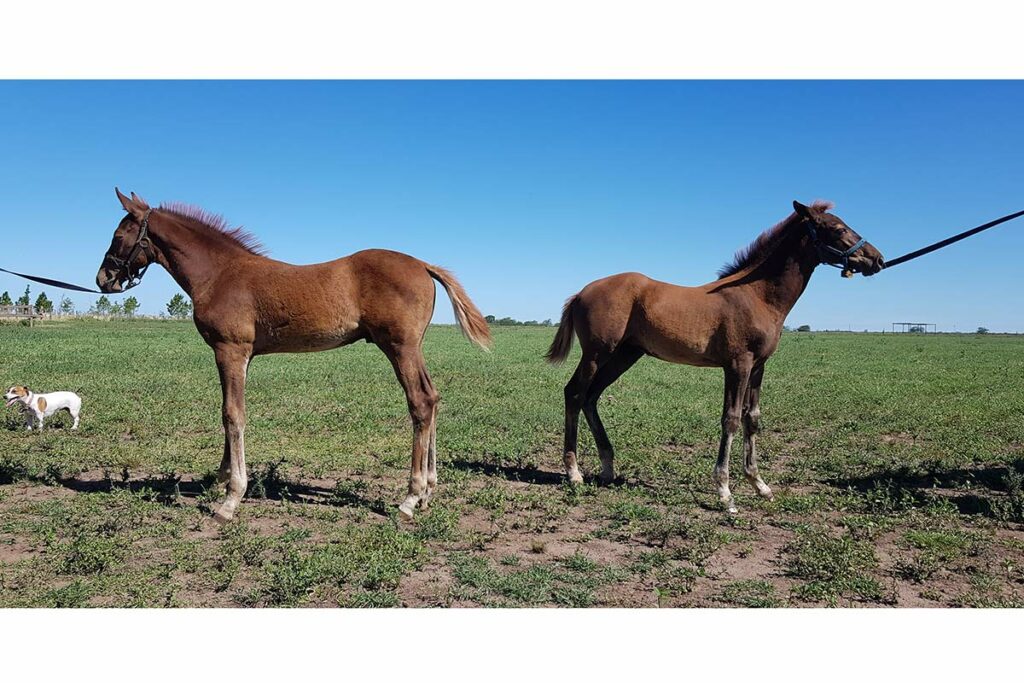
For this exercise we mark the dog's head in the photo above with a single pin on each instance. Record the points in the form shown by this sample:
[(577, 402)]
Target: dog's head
[(15, 394)]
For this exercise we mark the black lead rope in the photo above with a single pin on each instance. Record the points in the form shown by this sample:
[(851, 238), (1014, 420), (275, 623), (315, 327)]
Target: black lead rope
[(950, 240), (52, 283), (142, 243)]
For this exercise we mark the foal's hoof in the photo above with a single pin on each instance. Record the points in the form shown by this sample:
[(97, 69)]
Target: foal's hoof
[(575, 478), (222, 518), (406, 511)]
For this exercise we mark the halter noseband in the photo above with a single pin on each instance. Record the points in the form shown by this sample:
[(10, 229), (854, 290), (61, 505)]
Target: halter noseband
[(125, 264), (828, 254)]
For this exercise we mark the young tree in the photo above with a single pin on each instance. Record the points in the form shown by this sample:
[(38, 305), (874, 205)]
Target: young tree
[(67, 306), (982, 330), (179, 306), (43, 303), (116, 309), (131, 304), (5, 299), (23, 300), (102, 306)]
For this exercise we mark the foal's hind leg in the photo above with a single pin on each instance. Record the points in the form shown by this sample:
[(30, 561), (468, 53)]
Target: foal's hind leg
[(431, 464), (422, 398), (751, 426), (737, 378), (575, 394), (623, 359)]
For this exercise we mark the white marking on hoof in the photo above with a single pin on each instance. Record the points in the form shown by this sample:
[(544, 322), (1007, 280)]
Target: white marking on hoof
[(408, 508), (762, 488), (729, 504), (222, 518), (575, 478)]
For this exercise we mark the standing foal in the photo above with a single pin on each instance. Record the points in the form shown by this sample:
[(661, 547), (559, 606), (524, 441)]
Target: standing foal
[(246, 304), (733, 323)]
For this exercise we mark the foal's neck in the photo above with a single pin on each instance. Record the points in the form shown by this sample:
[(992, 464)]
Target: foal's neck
[(192, 257), (782, 277)]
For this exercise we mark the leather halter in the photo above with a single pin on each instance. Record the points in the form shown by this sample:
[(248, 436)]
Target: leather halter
[(125, 264), (829, 255)]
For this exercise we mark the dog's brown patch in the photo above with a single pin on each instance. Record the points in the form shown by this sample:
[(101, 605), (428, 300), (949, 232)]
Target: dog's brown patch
[(42, 404), (21, 391)]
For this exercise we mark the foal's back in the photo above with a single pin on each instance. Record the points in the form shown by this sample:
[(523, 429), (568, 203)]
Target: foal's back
[(374, 294), (671, 322)]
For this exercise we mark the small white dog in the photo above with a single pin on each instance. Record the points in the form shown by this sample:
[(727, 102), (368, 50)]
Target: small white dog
[(42, 406)]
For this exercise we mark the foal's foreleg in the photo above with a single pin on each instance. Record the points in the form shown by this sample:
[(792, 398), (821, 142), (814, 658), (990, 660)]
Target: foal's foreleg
[(232, 363), (737, 378), (751, 426)]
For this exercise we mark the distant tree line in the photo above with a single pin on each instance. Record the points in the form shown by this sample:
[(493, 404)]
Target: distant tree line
[(511, 322), (177, 307), (42, 304), (115, 309)]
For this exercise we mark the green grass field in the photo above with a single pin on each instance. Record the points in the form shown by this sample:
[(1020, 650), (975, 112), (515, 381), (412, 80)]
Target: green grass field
[(897, 462)]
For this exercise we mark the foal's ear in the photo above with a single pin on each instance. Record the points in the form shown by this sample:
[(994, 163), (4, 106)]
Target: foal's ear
[(135, 206), (802, 210)]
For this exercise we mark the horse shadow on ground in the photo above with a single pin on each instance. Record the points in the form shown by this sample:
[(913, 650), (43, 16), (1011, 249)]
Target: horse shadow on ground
[(985, 491), (531, 474), (171, 489), (528, 474)]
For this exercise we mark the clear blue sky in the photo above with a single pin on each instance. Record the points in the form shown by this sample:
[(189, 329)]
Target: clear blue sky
[(530, 190)]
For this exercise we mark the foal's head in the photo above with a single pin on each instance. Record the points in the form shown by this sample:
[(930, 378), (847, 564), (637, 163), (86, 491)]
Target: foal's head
[(131, 250), (836, 243)]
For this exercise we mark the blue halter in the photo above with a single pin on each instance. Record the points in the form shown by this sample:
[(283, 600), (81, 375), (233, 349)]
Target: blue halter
[(831, 256)]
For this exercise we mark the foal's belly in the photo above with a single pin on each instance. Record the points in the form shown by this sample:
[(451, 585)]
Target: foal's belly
[(684, 355), (686, 344), (285, 340)]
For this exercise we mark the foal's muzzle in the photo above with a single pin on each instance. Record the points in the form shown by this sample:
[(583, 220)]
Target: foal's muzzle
[(108, 280)]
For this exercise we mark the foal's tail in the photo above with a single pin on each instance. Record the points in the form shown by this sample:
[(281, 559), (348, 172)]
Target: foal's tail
[(466, 313), (562, 342)]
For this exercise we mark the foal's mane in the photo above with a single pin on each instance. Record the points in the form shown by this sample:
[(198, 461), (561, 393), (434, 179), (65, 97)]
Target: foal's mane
[(215, 224), (764, 244)]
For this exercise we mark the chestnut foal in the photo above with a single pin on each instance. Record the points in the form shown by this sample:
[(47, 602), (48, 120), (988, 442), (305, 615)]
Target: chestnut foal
[(733, 323), (246, 304)]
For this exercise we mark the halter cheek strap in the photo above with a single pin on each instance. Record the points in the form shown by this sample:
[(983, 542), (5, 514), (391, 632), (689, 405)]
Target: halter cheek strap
[(141, 244), (829, 255)]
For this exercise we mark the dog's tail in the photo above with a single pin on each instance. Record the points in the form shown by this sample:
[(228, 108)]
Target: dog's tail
[(562, 343), (470, 320)]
